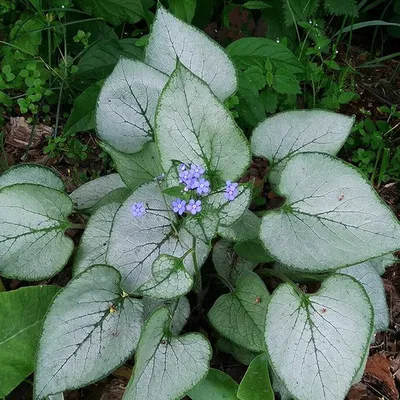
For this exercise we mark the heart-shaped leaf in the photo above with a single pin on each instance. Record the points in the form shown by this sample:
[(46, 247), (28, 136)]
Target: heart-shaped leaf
[(381, 263), (332, 217), (21, 317), (92, 327), (204, 226), (316, 343), (167, 367), (216, 386), (136, 242), (83, 114), (33, 220), (240, 315), (127, 104), (369, 278), (136, 169), (252, 250), (256, 384), (179, 309), (291, 132), (247, 227), (172, 39), (88, 196), (192, 126), (170, 279), (31, 173), (230, 211), (227, 263), (94, 242)]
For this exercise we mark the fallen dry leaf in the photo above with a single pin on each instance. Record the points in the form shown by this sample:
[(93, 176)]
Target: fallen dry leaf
[(357, 392), (378, 374)]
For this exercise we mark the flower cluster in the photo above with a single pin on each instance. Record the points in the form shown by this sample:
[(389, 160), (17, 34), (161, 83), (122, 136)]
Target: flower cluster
[(192, 177)]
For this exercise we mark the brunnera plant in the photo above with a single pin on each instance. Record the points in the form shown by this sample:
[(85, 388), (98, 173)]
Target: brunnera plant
[(180, 157)]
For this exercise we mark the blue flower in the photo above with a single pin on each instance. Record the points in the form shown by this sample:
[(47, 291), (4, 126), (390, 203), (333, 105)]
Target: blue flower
[(197, 170), (231, 190), (202, 186), (185, 177), (178, 206), (190, 177), (194, 206), (138, 209)]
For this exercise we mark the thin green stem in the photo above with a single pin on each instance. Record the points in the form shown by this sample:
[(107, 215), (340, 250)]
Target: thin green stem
[(198, 282), (187, 253), (58, 110), (294, 20), (350, 38), (378, 156), (49, 49), (377, 27), (34, 57), (335, 46)]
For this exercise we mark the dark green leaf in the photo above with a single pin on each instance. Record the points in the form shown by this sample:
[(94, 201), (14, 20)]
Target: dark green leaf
[(240, 315), (25, 34), (253, 251), (256, 76), (183, 9), (252, 51), (116, 11), (256, 384), (82, 117), (204, 13), (341, 7), (176, 191), (285, 82), (256, 5), (296, 10), (384, 165), (216, 386), (346, 97), (98, 62), (250, 106), (332, 65), (136, 169), (22, 313), (270, 100)]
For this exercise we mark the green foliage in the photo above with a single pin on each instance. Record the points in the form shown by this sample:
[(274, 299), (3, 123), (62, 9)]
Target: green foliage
[(23, 311), (184, 9), (372, 146), (165, 100), (272, 77), (115, 11), (256, 383), (66, 144), (217, 385)]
